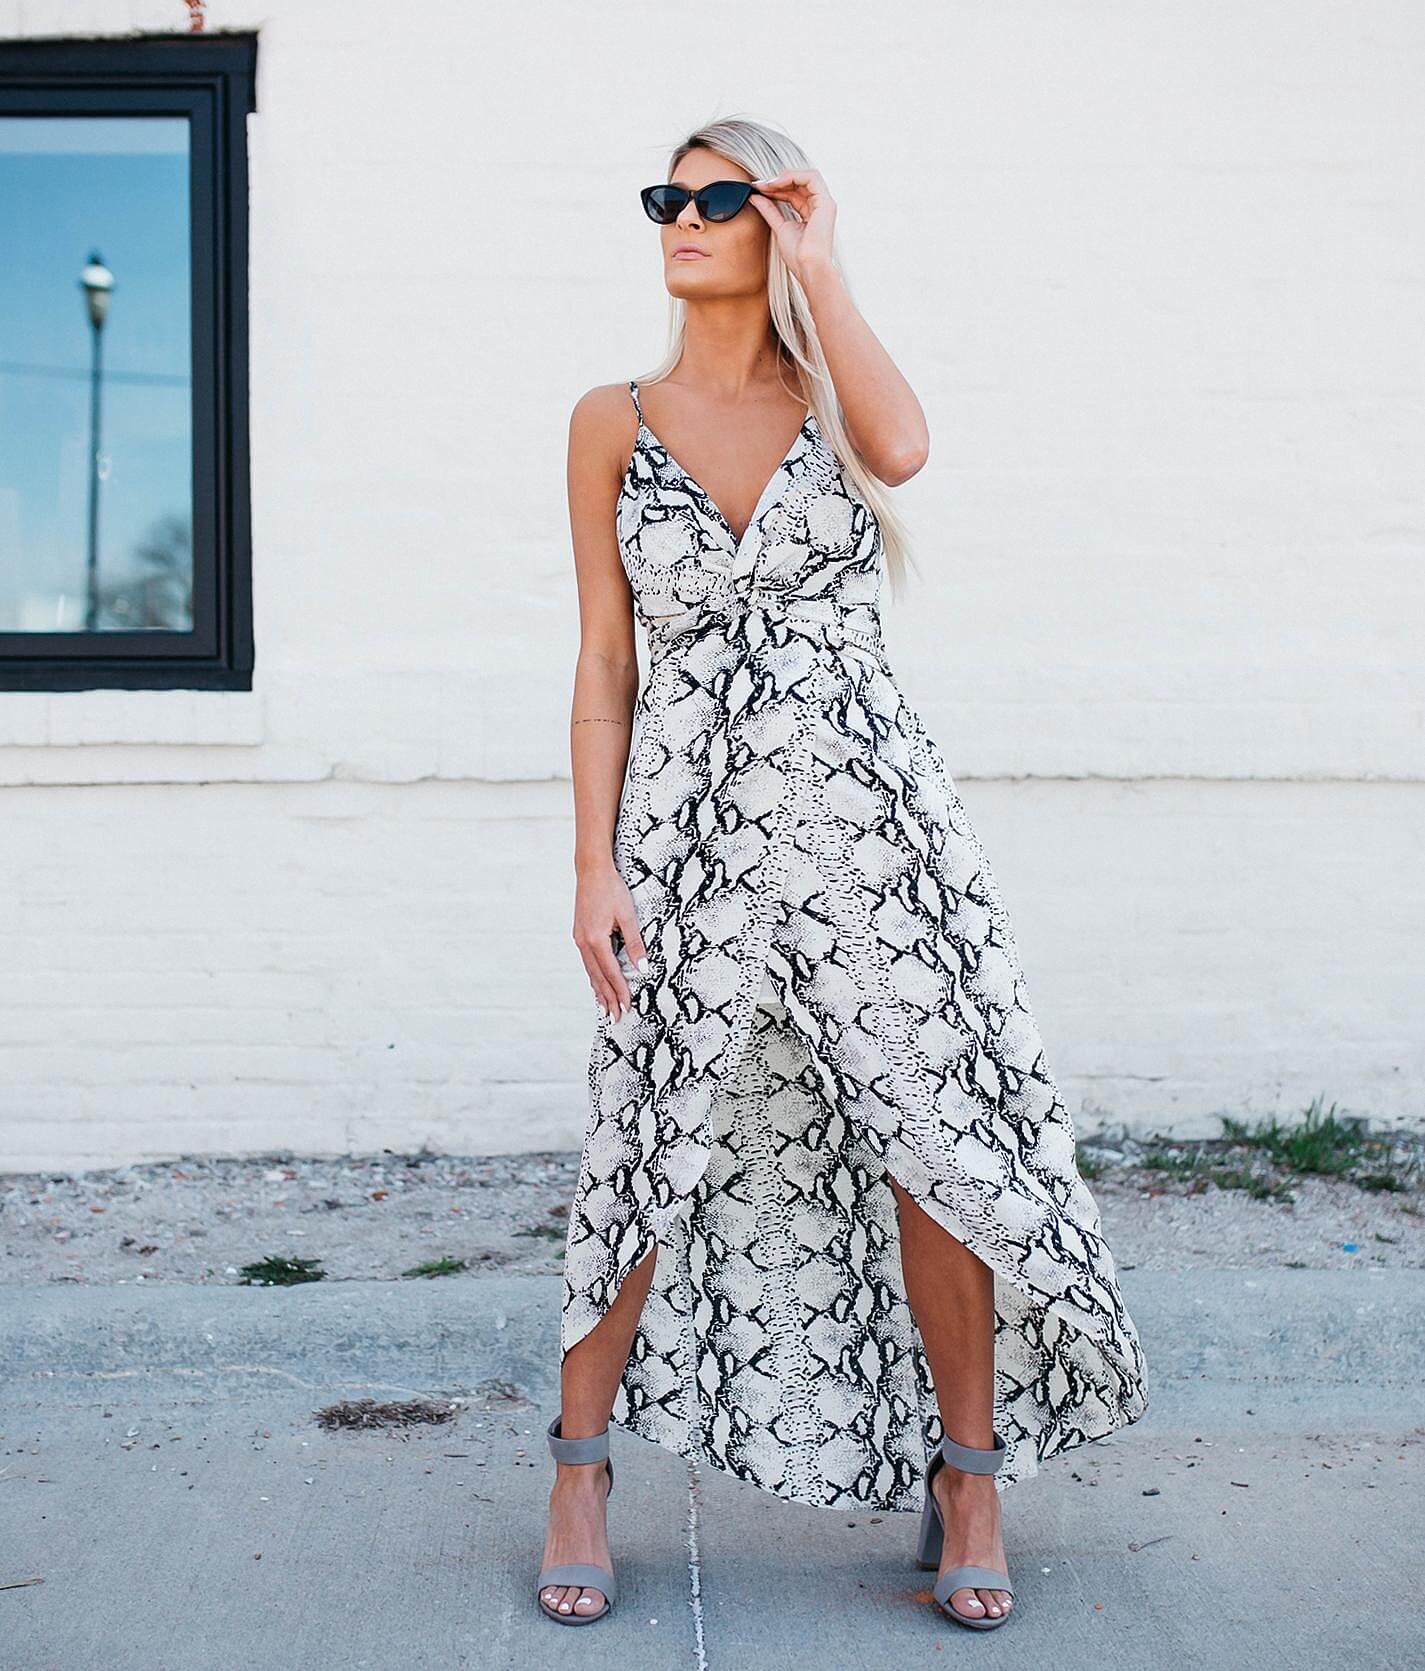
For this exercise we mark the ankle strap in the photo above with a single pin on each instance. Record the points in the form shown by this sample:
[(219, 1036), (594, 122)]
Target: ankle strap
[(595, 1449), (973, 1459)]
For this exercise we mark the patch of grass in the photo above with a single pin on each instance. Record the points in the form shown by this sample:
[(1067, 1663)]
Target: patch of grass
[(367, 1413), (1179, 1162), (1260, 1187), (555, 1226), (1380, 1181), (1193, 1163), (1089, 1165), (1212, 1165), (1260, 1157), (281, 1273), (444, 1266), (1321, 1142), (1326, 1144)]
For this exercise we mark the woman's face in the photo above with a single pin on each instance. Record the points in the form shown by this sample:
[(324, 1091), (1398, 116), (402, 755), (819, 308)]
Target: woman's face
[(703, 258)]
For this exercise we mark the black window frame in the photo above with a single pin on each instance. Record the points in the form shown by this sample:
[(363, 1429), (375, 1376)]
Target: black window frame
[(213, 82)]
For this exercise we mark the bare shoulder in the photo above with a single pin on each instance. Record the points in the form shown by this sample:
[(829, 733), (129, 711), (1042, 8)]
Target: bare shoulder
[(602, 429), (603, 412)]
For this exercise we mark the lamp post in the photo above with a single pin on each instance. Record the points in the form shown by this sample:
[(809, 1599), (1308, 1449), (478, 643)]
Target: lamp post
[(97, 283)]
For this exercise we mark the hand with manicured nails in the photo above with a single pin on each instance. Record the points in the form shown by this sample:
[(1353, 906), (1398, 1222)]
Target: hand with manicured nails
[(806, 240), (602, 906)]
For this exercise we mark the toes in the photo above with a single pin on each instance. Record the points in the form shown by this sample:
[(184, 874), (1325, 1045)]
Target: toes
[(989, 1599), (966, 1601), (560, 1598)]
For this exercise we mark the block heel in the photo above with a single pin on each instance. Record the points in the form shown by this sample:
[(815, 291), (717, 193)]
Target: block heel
[(583, 1573), (970, 1459)]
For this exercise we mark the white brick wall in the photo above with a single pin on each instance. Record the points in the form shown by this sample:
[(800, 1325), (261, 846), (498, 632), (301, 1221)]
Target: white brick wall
[(354, 965), (1155, 274)]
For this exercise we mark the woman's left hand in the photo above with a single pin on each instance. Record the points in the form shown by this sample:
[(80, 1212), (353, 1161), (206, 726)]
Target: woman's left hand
[(806, 241)]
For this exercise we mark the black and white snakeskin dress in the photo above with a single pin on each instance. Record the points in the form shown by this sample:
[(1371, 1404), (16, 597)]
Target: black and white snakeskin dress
[(834, 996)]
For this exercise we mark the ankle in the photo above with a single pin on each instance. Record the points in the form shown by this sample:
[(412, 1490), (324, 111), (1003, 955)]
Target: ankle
[(581, 1479), (953, 1482)]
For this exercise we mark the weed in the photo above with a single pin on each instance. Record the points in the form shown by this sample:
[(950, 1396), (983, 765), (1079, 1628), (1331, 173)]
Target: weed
[(1174, 1161), (281, 1273), (1089, 1165), (444, 1266), (1381, 1181), (1321, 1142), (1259, 1156), (1261, 1188)]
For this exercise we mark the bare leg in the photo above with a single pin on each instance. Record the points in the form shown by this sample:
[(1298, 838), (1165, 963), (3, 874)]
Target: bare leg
[(589, 1380), (951, 1293)]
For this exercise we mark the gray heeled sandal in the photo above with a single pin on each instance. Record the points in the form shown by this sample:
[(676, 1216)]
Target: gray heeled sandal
[(583, 1573), (971, 1459)]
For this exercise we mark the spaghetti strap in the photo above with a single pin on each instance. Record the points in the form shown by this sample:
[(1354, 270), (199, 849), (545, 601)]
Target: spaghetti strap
[(633, 390)]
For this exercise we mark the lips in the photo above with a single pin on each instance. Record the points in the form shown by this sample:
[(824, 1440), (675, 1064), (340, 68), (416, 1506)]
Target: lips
[(690, 250)]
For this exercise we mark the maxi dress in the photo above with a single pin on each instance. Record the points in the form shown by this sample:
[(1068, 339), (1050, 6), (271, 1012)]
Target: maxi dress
[(834, 998)]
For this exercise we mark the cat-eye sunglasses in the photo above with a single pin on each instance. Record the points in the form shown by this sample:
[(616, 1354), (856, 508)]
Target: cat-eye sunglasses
[(719, 200)]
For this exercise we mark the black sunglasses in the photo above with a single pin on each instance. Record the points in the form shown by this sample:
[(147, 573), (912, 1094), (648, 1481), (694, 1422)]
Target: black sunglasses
[(719, 200)]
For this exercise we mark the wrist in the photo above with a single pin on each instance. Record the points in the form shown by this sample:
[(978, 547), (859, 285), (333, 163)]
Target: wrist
[(817, 276), (590, 865)]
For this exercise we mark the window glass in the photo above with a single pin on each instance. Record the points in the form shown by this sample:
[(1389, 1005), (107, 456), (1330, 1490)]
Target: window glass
[(96, 446)]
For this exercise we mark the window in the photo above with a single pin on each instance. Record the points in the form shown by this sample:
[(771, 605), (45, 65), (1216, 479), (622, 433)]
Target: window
[(125, 549)]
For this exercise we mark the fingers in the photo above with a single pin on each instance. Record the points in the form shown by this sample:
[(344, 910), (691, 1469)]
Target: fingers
[(601, 963), (793, 177), (618, 998), (604, 990), (603, 994), (633, 941), (797, 187)]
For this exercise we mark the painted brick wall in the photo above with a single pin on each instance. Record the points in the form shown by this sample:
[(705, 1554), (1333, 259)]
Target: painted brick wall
[(1156, 274)]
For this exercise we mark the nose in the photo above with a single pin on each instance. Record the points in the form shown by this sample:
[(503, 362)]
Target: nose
[(689, 215)]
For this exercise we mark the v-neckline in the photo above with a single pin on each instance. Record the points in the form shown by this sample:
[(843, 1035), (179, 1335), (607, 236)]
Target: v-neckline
[(759, 509)]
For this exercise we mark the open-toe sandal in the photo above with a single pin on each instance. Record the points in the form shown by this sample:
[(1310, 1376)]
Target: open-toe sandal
[(583, 1573), (972, 1459)]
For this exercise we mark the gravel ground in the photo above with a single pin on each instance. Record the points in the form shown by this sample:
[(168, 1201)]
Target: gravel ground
[(200, 1220)]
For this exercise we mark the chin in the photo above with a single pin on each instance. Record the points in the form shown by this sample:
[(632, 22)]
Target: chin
[(683, 281)]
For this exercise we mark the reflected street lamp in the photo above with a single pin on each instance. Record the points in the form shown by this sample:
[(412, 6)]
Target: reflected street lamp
[(97, 283)]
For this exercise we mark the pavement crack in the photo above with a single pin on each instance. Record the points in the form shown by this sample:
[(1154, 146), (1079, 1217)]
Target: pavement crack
[(695, 1567)]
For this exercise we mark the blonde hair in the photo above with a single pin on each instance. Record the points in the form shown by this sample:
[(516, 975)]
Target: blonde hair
[(764, 151)]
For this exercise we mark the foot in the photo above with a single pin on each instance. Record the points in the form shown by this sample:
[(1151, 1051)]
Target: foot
[(577, 1532), (969, 1505)]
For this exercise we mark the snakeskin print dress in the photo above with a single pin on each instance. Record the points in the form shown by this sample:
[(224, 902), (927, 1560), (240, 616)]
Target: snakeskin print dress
[(834, 998)]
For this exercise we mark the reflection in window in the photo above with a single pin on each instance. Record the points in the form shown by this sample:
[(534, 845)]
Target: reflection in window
[(96, 444)]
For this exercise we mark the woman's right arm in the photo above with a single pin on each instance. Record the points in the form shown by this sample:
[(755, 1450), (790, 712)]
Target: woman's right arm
[(605, 690)]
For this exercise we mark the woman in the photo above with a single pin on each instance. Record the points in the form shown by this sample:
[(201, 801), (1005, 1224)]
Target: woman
[(828, 1233)]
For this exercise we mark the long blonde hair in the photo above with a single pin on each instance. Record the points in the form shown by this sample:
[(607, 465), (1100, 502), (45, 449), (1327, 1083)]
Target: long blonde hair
[(764, 151)]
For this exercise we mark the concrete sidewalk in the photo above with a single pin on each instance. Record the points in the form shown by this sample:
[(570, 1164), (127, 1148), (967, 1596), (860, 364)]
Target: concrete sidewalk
[(163, 1474)]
